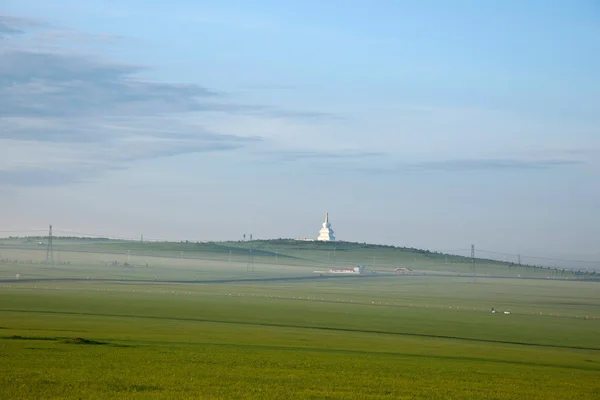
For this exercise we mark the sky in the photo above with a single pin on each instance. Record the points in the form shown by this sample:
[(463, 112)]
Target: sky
[(428, 124)]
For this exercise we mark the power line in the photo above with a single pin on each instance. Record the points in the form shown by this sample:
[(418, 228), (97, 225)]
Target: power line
[(539, 258), (22, 230), (95, 235), (517, 255), (68, 233)]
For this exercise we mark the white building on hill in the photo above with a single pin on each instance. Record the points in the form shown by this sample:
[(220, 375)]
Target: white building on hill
[(326, 234)]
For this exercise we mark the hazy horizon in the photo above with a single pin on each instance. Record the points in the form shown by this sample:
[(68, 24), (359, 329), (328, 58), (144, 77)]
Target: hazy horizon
[(431, 125)]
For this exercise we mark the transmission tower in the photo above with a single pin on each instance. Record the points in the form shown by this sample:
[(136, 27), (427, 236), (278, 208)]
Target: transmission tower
[(50, 250), (250, 264), (473, 260)]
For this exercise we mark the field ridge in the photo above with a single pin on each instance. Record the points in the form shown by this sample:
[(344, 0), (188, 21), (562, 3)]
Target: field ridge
[(323, 328)]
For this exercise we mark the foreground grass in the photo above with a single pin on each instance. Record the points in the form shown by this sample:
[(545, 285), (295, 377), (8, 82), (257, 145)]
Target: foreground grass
[(280, 340), (152, 370)]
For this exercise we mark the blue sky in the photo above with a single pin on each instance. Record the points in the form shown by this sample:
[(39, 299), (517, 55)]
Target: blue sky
[(431, 124)]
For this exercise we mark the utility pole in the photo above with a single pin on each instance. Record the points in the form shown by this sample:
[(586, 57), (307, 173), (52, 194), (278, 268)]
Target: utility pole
[(519, 259), (50, 250)]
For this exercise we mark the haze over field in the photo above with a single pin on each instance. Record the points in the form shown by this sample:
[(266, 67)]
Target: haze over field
[(122, 319), (432, 125)]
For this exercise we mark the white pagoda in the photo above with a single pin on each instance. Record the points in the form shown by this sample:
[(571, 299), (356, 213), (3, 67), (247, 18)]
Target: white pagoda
[(326, 234)]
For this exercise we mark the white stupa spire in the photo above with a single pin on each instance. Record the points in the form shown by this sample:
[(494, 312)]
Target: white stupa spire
[(326, 233)]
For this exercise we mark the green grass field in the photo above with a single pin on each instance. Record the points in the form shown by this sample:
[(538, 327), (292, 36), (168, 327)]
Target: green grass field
[(430, 335)]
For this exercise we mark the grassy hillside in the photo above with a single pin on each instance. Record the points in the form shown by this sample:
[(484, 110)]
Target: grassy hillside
[(301, 257)]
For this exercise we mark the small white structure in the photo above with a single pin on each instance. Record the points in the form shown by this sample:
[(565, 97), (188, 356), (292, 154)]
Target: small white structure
[(342, 271), (326, 234), (359, 269)]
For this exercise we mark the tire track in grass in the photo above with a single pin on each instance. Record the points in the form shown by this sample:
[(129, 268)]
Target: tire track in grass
[(115, 343), (405, 355), (323, 328), (194, 281)]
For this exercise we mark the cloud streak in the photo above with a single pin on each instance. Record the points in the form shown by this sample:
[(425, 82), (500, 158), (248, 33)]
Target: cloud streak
[(491, 164), (306, 155), (7, 30), (44, 84), (11, 25), (71, 36), (99, 112), (43, 177), (472, 165)]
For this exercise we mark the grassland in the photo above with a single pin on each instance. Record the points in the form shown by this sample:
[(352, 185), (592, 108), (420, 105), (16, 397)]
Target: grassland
[(430, 335)]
